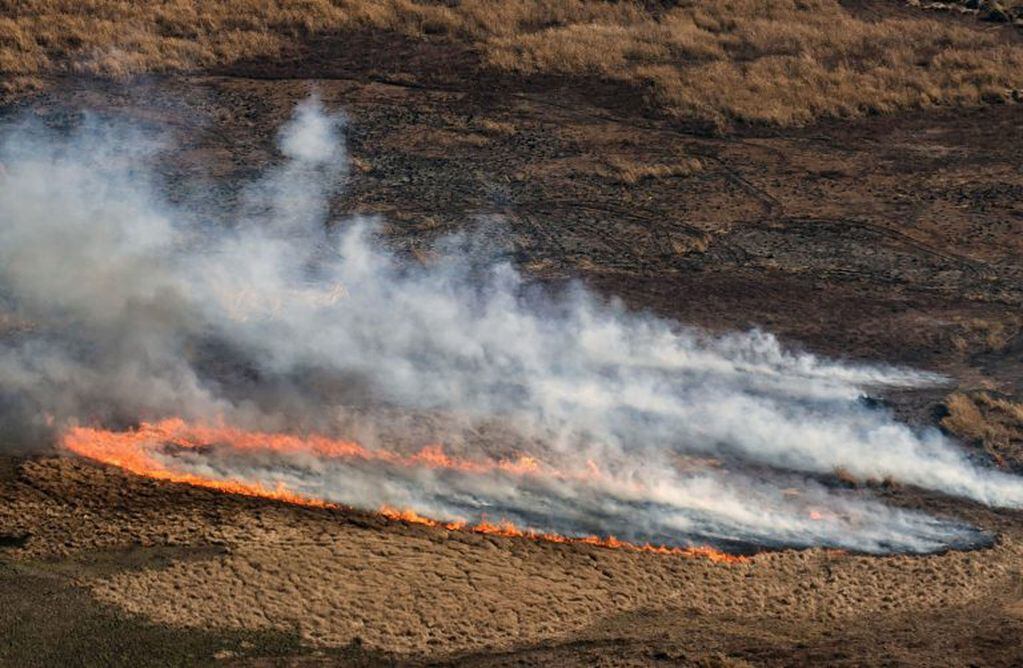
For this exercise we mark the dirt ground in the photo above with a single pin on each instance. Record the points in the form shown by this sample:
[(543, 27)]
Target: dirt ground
[(893, 238)]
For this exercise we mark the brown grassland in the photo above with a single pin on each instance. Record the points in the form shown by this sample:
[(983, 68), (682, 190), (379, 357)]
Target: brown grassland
[(783, 62), (992, 423)]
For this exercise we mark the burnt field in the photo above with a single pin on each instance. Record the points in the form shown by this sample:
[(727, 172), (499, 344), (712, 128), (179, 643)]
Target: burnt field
[(885, 241)]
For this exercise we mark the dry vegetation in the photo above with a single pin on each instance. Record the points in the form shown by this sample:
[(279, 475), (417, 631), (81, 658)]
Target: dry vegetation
[(336, 578), (630, 172), (990, 422), (777, 61)]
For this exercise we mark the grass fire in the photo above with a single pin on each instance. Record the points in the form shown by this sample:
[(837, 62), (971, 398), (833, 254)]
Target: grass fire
[(487, 333), (128, 450), (569, 416)]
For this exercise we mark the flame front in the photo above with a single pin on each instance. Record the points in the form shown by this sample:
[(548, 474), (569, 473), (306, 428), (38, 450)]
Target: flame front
[(125, 450), (130, 450), (510, 530)]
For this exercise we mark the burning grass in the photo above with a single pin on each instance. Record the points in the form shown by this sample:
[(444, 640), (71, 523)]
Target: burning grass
[(126, 450), (775, 61), (510, 530)]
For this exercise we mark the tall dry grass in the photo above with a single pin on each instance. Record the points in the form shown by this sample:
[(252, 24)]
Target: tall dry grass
[(775, 61), (993, 423)]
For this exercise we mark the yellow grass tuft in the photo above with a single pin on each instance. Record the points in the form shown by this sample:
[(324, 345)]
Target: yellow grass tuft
[(631, 172)]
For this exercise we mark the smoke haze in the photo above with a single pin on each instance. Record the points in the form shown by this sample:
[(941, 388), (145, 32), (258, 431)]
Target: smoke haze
[(273, 316)]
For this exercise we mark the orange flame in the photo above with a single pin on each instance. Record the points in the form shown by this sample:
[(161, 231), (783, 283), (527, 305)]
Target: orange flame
[(124, 451), (128, 450), (112, 446), (508, 529)]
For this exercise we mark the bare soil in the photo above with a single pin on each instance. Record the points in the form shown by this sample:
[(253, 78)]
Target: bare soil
[(893, 238)]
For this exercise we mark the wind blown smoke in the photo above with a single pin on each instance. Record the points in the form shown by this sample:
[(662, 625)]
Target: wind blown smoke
[(274, 317)]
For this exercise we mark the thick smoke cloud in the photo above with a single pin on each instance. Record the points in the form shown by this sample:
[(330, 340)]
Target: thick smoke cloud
[(274, 316)]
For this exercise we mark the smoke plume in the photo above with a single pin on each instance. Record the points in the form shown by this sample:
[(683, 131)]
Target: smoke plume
[(121, 306)]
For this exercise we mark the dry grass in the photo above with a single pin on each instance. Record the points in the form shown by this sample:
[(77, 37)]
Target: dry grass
[(977, 335), (992, 423), (781, 61), (776, 61), (631, 172), (420, 590), (496, 128)]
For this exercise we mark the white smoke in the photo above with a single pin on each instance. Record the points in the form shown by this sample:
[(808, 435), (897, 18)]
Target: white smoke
[(276, 315)]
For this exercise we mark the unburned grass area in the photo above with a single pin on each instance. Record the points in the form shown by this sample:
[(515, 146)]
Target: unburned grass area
[(990, 422), (784, 62), (46, 620)]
